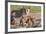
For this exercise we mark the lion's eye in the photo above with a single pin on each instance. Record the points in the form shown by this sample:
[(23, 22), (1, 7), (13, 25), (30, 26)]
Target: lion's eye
[(27, 10)]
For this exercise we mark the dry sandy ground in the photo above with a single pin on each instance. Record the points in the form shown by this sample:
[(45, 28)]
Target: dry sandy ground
[(36, 18)]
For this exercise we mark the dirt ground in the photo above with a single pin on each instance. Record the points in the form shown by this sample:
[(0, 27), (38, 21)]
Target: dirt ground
[(36, 18)]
